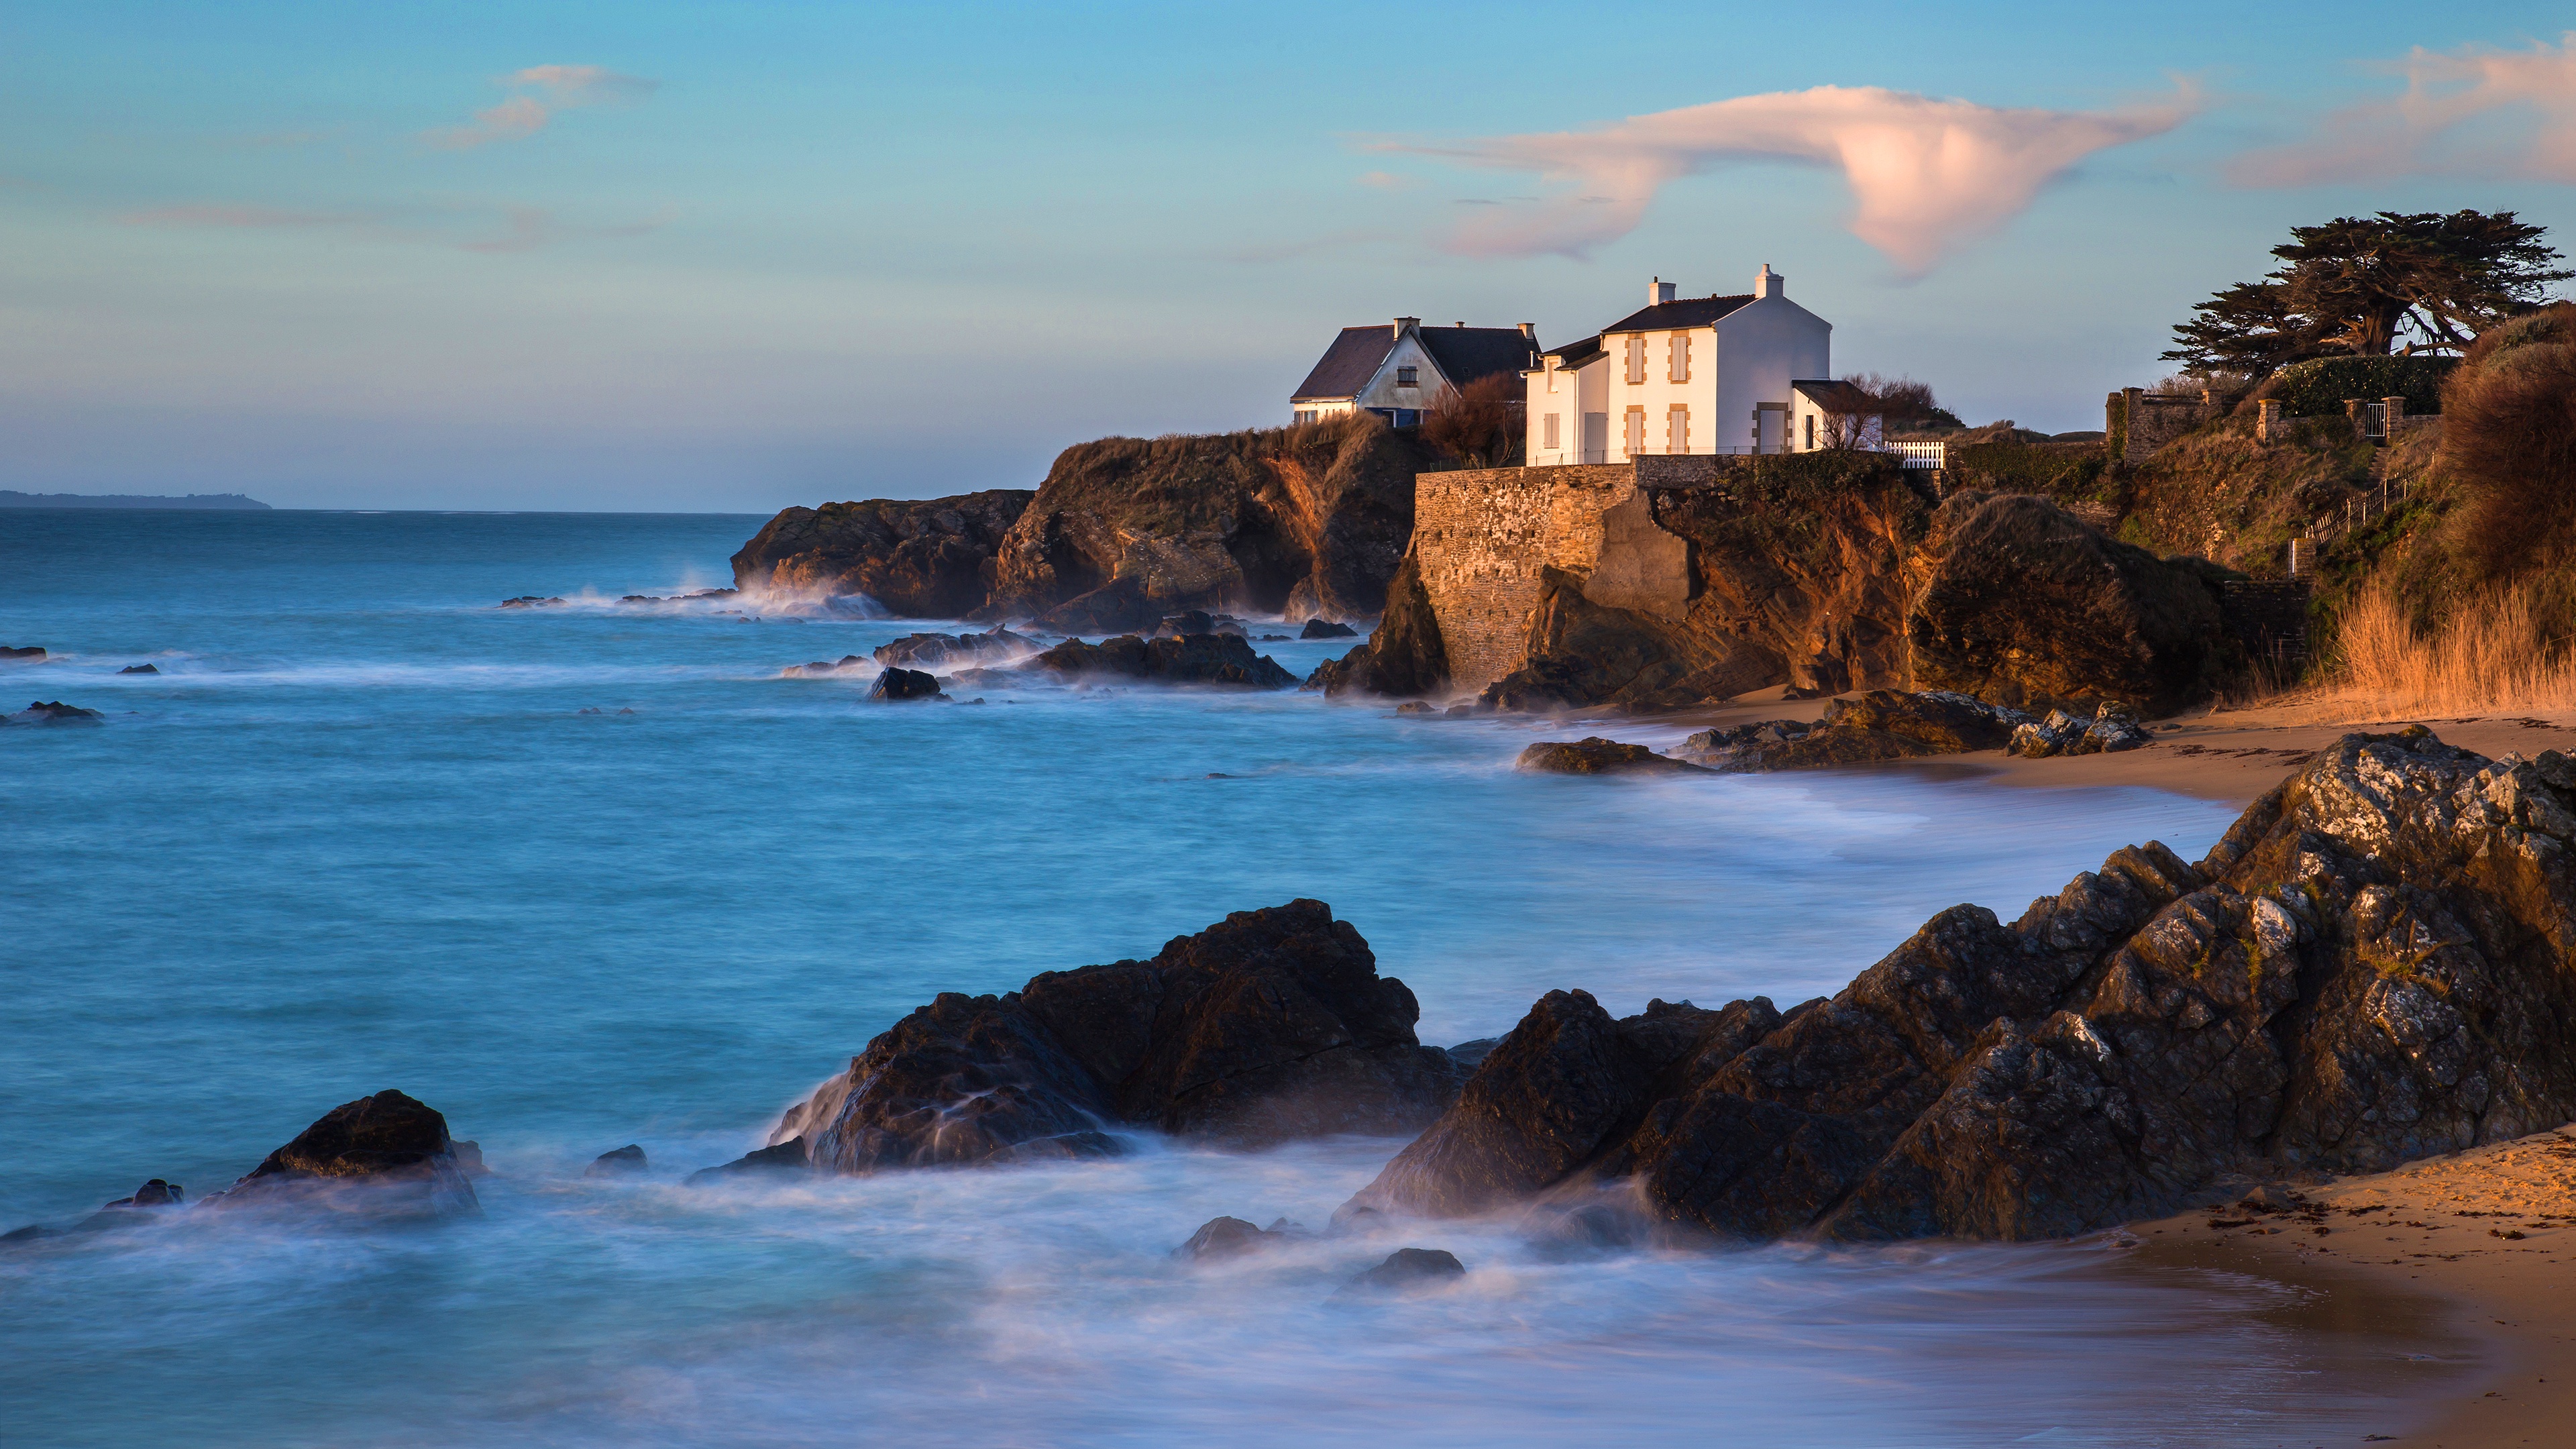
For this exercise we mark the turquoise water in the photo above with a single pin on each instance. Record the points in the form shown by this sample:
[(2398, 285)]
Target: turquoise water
[(360, 833)]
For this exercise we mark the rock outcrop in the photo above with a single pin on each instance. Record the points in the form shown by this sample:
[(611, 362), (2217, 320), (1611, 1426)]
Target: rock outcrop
[(1327, 629), (22, 654), (929, 559), (2111, 729), (894, 686), (1597, 756), (938, 651), (1267, 1026), (388, 1151), (1403, 659), (1884, 724), (1305, 520), (1186, 659), (2027, 606), (2377, 962), (623, 1161), (44, 712)]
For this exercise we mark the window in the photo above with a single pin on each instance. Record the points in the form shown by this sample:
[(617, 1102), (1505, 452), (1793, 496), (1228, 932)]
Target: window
[(1636, 432), (1679, 369), (1405, 377), (1811, 432), (1547, 431), (1677, 429), (1551, 375), (1636, 360)]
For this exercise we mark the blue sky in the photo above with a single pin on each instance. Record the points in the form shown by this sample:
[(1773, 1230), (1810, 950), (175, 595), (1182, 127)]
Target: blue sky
[(734, 257)]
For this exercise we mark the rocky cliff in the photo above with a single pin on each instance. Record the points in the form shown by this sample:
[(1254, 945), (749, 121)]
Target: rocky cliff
[(928, 559), (2377, 962)]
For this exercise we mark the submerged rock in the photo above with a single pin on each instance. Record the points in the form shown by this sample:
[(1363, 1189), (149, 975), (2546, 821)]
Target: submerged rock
[(895, 685), (530, 601), (1327, 629), (787, 1156), (2373, 965), (616, 1162), (140, 669), (384, 1151), (1597, 756), (1268, 1026), (935, 650), (55, 712), (1408, 1269), (1189, 659), (1224, 1238), (1884, 724), (25, 653)]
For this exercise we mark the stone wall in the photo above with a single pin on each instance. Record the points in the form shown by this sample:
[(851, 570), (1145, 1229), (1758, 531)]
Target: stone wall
[(2137, 422)]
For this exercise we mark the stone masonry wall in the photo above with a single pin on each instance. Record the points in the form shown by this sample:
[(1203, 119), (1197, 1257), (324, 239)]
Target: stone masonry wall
[(1481, 537)]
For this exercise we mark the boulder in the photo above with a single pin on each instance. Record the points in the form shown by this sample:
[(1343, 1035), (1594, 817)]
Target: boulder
[(2028, 606), (1404, 658), (140, 669), (530, 601), (1884, 724), (1327, 629), (1190, 659), (1597, 756), (55, 712), (616, 1162), (788, 1156), (1411, 1269), (917, 558), (1268, 1026), (825, 668), (388, 1151), (25, 653), (1224, 1238), (2111, 728), (895, 685), (2376, 963), (934, 651)]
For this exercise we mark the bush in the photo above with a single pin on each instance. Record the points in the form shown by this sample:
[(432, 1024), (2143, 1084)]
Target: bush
[(2068, 472), (2319, 389), (2509, 436)]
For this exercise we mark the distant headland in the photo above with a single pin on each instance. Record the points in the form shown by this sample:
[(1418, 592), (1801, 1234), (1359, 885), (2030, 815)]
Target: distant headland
[(12, 499)]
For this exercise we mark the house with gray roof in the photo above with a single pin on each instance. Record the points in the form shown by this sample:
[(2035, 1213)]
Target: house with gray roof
[(1397, 370), (1729, 373)]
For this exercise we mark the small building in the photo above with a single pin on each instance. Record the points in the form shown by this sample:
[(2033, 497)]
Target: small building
[(1716, 374), (1398, 370)]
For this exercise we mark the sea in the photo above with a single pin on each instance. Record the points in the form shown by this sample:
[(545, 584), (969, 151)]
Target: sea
[(609, 872)]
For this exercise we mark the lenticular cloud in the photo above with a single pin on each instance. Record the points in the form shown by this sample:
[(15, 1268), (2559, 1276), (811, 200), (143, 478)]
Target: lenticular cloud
[(1925, 174)]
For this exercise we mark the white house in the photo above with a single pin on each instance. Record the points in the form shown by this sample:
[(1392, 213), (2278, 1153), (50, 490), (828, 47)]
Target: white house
[(1398, 370), (1739, 374)]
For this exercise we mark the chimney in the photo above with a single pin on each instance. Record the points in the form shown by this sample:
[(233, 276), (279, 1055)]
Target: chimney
[(1659, 291), (1530, 331), (1403, 322), (1768, 283)]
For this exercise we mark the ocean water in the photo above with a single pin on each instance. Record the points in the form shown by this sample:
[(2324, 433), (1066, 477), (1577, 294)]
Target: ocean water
[(362, 830)]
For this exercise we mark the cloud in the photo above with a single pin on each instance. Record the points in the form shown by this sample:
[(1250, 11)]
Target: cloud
[(1387, 181), (565, 87), (2475, 112), (1926, 175)]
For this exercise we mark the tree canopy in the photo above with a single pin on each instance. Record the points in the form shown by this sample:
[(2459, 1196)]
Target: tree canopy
[(2389, 284)]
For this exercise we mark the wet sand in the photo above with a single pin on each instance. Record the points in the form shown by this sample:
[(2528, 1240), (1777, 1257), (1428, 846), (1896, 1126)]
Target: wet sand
[(2491, 1230)]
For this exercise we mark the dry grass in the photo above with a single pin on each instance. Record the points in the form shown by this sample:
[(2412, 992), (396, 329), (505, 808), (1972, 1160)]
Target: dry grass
[(2496, 652)]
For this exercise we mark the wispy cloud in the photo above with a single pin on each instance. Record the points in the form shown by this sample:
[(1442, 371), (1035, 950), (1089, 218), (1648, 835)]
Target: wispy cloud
[(1386, 181), (1926, 175), (2477, 111), (563, 88)]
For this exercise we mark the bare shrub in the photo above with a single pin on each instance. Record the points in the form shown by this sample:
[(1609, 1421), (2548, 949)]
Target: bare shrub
[(2509, 435), (1481, 423)]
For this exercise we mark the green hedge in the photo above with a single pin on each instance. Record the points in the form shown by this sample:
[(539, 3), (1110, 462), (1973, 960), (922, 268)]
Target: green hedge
[(2318, 389), (2064, 471)]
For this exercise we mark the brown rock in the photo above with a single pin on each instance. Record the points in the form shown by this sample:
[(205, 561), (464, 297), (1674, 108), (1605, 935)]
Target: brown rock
[(1597, 756), (384, 1151), (928, 558), (1190, 659)]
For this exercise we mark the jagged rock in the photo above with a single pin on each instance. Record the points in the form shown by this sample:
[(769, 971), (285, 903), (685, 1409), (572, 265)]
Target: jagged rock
[(823, 668), (1267, 1026), (2376, 963), (1415, 706), (26, 653), (617, 1162), (927, 559), (1403, 658), (57, 712), (140, 669), (530, 601), (1193, 659), (1408, 1269), (792, 1155), (1197, 621), (384, 1151), (1884, 724), (1224, 1238), (2029, 607), (895, 685), (2112, 728), (692, 596), (933, 651), (1327, 629), (1596, 756), (469, 1157)]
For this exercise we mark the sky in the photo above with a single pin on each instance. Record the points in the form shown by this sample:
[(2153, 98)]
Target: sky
[(729, 257)]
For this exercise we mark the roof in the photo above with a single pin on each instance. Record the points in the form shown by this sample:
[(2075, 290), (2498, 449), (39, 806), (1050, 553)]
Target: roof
[(1837, 397), (1349, 363), (1575, 354), (1676, 316), (1466, 354)]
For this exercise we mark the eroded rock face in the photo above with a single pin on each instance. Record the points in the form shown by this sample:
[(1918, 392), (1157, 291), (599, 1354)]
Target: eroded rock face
[(2377, 962), (388, 1150), (1403, 659), (1884, 724), (1186, 659), (1267, 1026), (1597, 756), (937, 651), (930, 558), (2027, 606), (894, 686)]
